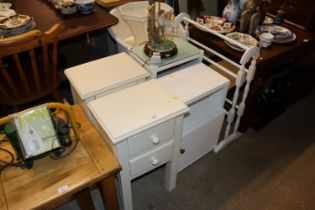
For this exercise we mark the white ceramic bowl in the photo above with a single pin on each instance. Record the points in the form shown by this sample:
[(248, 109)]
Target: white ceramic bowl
[(85, 6), (68, 9), (265, 39)]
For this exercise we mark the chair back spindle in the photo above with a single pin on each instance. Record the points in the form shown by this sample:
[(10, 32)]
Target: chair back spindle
[(28, 66)]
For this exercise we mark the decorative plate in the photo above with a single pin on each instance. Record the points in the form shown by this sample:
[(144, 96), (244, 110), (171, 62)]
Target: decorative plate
[(234, 46), (214, 27), (279, 32), (6, 12), (15, 22), (15, 31), (210, 19), (244, 39), (283, 41), (217, 24)]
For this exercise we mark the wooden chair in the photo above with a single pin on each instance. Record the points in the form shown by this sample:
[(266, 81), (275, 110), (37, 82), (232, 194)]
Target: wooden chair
[(28, 67)]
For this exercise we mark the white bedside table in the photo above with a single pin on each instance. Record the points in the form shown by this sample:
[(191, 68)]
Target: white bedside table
[(142, 125), (204, 91), (97, 78)]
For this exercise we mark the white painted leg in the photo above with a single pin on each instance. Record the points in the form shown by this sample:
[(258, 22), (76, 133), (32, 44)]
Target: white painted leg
[(125, 191), (170, 176), (124, 176), (171, 167)]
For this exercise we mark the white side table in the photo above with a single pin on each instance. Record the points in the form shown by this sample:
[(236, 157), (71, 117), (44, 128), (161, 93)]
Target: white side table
[(97, 78), (204, 91), (142, 125)]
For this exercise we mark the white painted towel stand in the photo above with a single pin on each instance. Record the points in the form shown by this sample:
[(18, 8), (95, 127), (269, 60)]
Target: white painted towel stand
[(237, 104)]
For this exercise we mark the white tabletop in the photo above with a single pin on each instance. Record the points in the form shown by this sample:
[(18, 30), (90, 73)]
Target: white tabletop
[(104, 74), (192, 82), (127, 112)]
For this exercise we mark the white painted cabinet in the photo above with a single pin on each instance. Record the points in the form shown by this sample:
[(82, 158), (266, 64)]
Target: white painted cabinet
[(142, 125), (204, 91), (103, 76)]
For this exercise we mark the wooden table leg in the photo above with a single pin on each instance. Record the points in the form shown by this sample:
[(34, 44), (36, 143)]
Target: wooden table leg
[(85, 200), (109, 192)]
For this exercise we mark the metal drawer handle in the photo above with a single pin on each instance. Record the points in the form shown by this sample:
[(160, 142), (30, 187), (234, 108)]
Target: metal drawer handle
[(155, 161), (155, 139)]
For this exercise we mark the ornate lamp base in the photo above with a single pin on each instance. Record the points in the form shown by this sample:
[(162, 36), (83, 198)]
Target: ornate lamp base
[(166, 49)]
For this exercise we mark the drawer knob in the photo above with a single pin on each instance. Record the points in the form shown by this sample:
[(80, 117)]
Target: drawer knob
[(155, 161), (155, 139)]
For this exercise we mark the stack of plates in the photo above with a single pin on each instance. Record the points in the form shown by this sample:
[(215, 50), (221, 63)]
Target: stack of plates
[(244, 39), (5, 13), (16, 25), (280, 33), (215, 23)]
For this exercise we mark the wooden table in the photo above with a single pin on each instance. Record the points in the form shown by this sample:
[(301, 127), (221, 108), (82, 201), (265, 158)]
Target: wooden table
[(45, 15), (51, 183), (272, 60)]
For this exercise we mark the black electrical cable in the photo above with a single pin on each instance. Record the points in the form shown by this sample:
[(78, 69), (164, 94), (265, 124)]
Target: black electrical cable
[(76, 141), (11, 161), (61, 154)]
